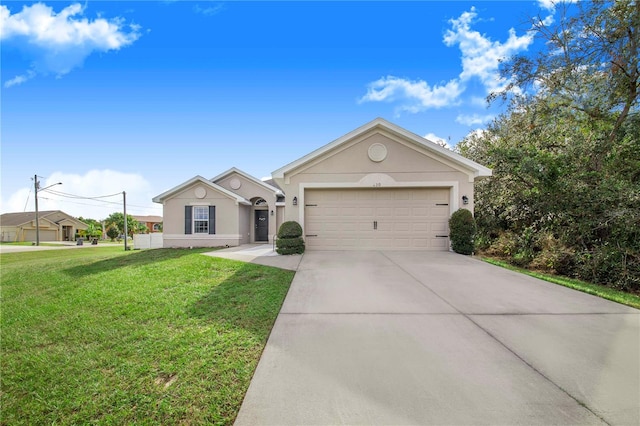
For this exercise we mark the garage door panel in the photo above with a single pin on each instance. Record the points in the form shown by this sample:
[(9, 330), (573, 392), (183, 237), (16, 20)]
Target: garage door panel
[(45, 235), (439, 227), (406, 218), (442, 211), (402, 212), (401, 226)]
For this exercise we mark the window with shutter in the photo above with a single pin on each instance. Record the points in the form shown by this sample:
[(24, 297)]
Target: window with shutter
[(187, 219), (212, 219)]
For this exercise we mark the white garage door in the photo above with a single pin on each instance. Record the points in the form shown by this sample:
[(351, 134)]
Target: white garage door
[(377, 218)]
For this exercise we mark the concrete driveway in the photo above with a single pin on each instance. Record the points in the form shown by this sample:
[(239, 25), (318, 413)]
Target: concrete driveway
[(440, 338)]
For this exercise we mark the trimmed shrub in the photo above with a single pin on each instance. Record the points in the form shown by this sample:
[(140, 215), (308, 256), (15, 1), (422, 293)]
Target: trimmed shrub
[(291, 229), (290, 245), (113, 233), (462, 228), (290, 239)]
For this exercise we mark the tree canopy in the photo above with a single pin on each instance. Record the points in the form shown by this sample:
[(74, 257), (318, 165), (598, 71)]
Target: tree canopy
[(116, 220), (565, 194)]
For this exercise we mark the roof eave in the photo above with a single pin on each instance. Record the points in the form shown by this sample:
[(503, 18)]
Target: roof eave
[(162, 197), (477, 169), (247, 176)]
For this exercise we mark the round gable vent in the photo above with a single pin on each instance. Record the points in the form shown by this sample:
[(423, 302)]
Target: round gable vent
[(235, 183), (200, 192), (377, 152)]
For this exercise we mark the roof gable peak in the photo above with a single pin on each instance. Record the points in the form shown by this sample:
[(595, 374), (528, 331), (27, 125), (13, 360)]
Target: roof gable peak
[(476, 169), (247, 176)]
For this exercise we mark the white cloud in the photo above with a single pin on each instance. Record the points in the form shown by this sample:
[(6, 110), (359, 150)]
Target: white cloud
[(480, 55), (478, 101), (19, 79), (474, 119), (209, 10), (432, 137), (419, 94), (549, 5), (94, 183), (59, 42), (480, 60)]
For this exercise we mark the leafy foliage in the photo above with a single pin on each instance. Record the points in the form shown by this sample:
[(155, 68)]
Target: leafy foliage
[(113, 233), (290, 229), (565, 190), (92, 231), (462, 228), (290, 238), (116, 220)]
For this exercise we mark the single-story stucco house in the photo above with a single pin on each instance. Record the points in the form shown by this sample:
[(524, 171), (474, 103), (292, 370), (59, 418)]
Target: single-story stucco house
[(377, 187), (55, 225)]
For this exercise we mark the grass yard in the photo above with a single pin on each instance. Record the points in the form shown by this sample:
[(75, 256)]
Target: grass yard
[(608, 293), (99, 335)]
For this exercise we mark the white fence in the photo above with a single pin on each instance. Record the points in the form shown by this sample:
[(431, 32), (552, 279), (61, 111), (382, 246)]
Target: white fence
[(147, 241)]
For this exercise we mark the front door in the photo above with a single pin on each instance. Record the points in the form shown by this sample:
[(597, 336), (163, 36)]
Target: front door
[(262, 225)]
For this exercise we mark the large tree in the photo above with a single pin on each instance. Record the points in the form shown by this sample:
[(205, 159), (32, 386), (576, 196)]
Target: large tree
[(590, 63), (116, 220), (566, 155)]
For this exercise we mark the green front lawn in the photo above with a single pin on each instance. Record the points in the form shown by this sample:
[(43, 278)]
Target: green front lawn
[(608, 293), (99, 335)]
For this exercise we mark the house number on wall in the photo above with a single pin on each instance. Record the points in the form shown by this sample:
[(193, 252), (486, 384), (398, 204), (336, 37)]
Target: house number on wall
[(377, 185)]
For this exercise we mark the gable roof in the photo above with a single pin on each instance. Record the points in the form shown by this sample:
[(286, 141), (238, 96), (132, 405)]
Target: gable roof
[(160, 198), (53, 216), (478, 170), (247, 176)]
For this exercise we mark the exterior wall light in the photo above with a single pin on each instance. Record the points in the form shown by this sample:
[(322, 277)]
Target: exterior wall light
[(465, 200), (271, 212), (295, 201)]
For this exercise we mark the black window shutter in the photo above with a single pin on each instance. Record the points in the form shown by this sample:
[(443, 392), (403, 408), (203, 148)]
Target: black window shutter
[(212, 219), (187, 219)]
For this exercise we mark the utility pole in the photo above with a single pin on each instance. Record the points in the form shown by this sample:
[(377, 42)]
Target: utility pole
[(124, 201), (36, 185), (36, 189)]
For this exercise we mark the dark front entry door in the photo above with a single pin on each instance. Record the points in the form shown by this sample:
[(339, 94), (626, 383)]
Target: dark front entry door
[(262, 225)]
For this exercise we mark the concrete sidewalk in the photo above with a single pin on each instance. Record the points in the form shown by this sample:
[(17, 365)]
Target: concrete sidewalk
[(59, 245), (439, 338), (260, 254)]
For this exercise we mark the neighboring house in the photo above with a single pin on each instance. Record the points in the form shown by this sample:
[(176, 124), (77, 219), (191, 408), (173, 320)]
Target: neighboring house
[(55, 225), (153, 223), (378, 187)]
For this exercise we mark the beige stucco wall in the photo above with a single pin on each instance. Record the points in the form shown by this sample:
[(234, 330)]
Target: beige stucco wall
[(227, 219), (252, 192), (349, 165), (244, 219), (279, 217)]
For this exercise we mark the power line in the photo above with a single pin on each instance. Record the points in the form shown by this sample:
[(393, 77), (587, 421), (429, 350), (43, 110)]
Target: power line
[(27, 202), (87, 204), (64, 194), (94, 205)]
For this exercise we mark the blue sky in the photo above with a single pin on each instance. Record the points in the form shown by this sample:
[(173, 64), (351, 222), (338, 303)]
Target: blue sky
[(140, 96)]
